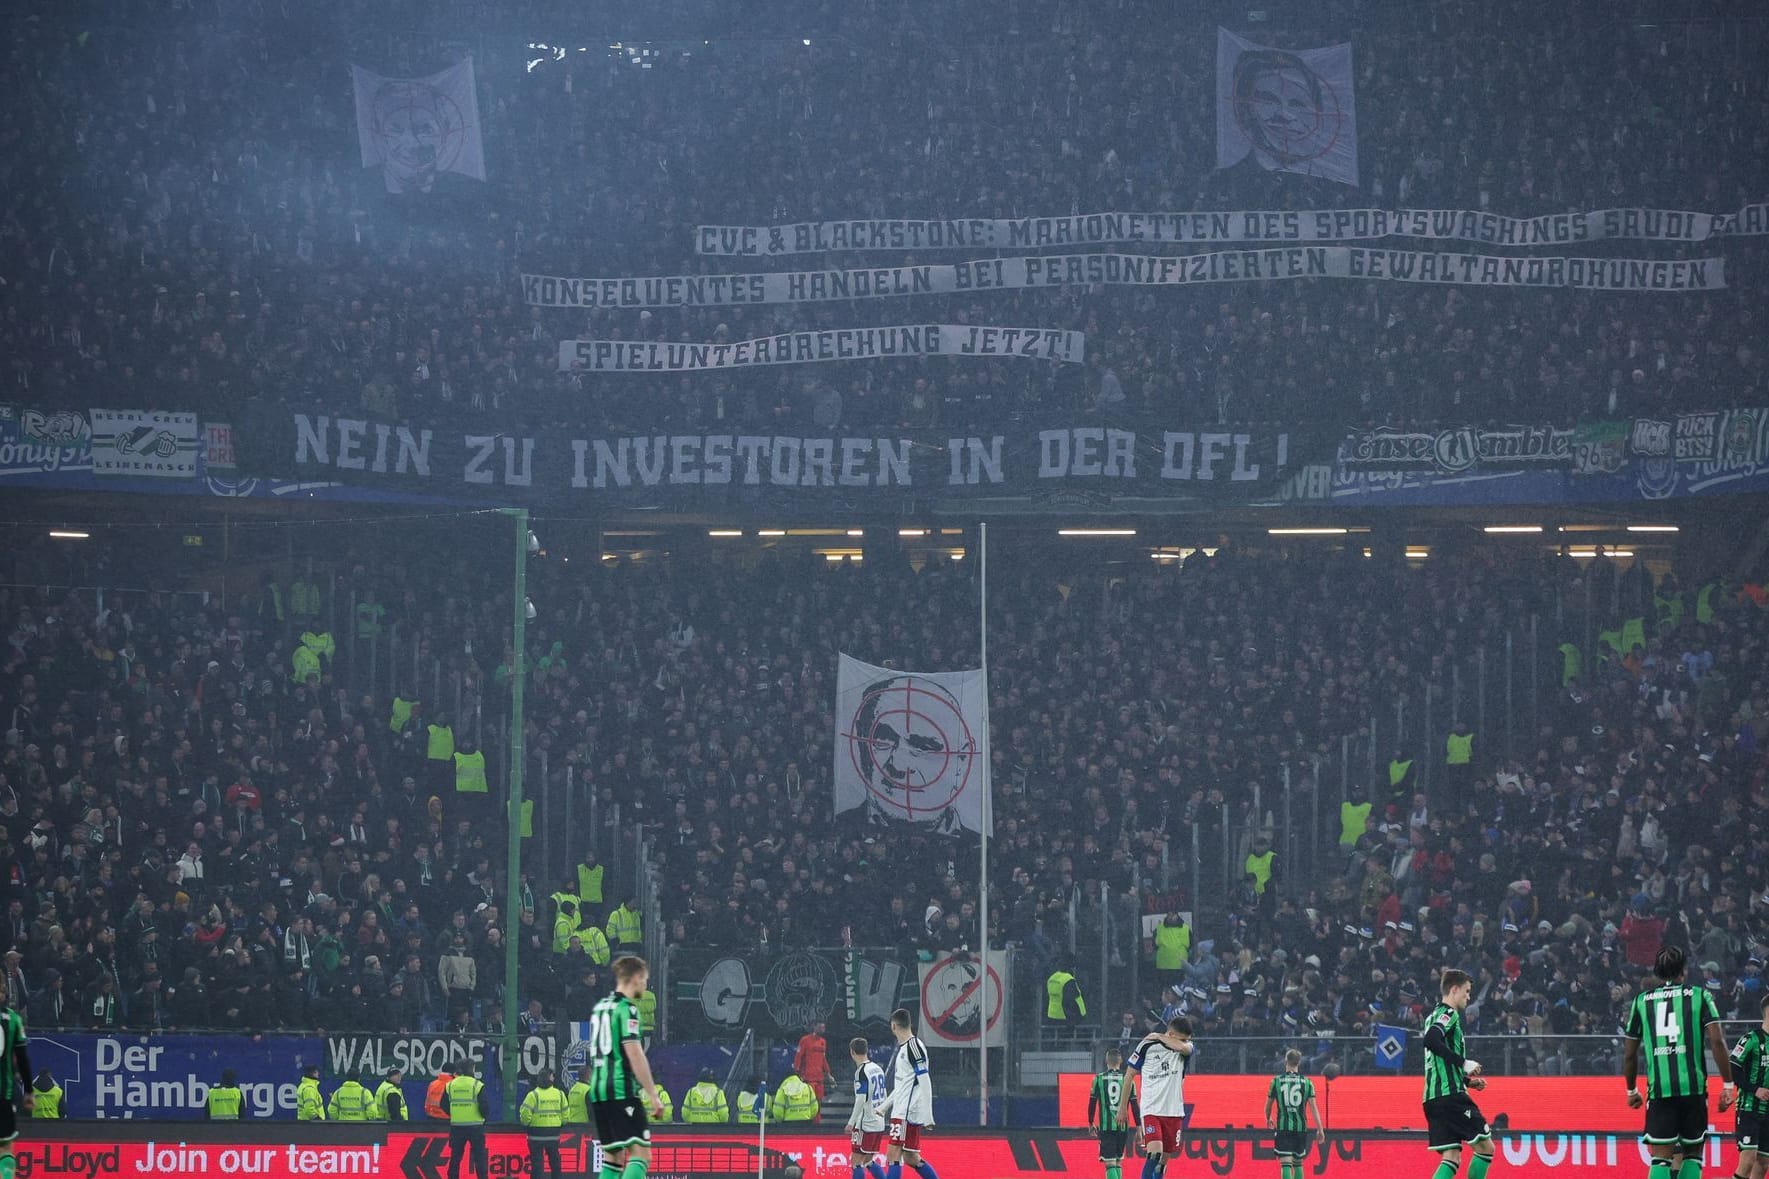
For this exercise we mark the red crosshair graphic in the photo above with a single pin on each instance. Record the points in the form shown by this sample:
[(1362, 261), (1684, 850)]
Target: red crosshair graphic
[(1285, 108), (901, 743)]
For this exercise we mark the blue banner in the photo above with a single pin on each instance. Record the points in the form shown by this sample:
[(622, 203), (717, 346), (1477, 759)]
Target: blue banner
[(168, 1076)]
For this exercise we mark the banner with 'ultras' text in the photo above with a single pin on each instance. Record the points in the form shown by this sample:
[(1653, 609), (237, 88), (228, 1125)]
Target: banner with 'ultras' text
[(1228, 226), (1136, 459), (1053, 270), (873, 343)]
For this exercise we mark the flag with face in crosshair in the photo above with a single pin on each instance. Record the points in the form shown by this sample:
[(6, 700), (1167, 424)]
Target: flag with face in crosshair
[(1286, 111), (912, 746)]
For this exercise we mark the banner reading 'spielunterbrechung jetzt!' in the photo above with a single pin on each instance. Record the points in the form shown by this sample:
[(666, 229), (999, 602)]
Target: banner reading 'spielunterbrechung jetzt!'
[(1058, 270), (900, 342)]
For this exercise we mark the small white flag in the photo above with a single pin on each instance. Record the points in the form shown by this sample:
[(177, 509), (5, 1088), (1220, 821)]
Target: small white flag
[(416, 129)]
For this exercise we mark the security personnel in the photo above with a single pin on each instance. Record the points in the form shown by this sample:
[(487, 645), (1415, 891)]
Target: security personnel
[(1173, 944), (310, 1104), (1354, 820), (351, 1101), (470, 773), (1062, 998), (1259, 864), (390, 1098), (751, 1103), (577, 1103), (47, 1095), (626, 927), (463, 1099), (433, 1096), (439, 755), (793, 1101), (589, 881), (224, 1101), (567, 918), (543, 1112), (401, 715), (705, 1104), (647, 1005), (669, 1104), (1458, 758), (1400, 774)]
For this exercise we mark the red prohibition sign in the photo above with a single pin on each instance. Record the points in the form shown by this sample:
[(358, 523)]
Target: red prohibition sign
[(940, 1019)]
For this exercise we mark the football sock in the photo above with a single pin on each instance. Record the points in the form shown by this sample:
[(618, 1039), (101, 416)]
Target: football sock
[(1478, 1164), (1691, 1168), (1114, 1171), (7, 1166), (1446, 1169), (1658, 1169), (924, 1170), (875, 1169), (894, 1171), (1149, 1164), (635, 1168), (608, 1171), (857, 1170)]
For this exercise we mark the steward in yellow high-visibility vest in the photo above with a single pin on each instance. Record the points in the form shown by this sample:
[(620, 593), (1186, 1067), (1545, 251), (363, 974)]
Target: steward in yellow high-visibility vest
[(1400, 773), (793, 1101), (669, 1104), (440, 742), (577, 1104), (594, 943), (647, 1005), (1173, 943), (390, 1098), (1062, 998), (752, 1104), (589, 881), (1354, 820), (351, 1102), (1258, 866), (567, 919), (46, 1097), (470, 773), (626, 927), (543, 1112), (705, 1104), (463, 1099), (401, 714), (310, 1105), (225, 1099)]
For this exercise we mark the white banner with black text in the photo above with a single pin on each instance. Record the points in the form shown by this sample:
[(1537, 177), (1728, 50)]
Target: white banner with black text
[(1058, 270), (1228, 226), (900, 342)]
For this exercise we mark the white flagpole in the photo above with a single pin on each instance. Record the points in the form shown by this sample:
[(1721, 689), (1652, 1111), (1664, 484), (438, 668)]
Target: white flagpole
[(988, 808)]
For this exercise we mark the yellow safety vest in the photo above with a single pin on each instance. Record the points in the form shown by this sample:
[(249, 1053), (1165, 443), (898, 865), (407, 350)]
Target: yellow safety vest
[(383, 1112), (705, 1105), (1633, 634), (470, 773), (589, 884), (669, 1104), (1397, 770), (577, 1104), (1354, 820), (1173, 943), (351, 1103), (543, 1109), (463, 1101), (402, 713), (625, 927), (310, 1106), (647, 1005), (1053, 996), (224, 1103), (1259, 867), (442, 743), (1572, 662), (746, 1108), (48, 1102), (304, 601), (794, 1102), (1458, 749), (305, 662), (1704, 602)]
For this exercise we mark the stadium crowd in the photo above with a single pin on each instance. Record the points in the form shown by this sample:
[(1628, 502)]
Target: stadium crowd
[(189, 226), (193, 839)]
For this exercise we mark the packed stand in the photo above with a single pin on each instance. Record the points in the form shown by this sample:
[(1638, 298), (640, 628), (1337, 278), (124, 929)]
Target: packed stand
[(194, 839), (190, 227)]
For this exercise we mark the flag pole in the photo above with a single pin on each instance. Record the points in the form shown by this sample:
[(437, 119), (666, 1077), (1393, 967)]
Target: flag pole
[(988, 807)]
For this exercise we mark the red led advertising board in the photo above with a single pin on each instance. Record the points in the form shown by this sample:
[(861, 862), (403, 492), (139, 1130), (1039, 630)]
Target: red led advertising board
[(1534, 1105), (956, 1154)]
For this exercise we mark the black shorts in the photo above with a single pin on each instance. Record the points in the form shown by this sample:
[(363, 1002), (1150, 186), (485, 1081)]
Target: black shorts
[(1451, 1121), (1291, 1144), (1676, 1120), (620, 1123), (1751, 1130), (1111, 1144), (8, 1122)]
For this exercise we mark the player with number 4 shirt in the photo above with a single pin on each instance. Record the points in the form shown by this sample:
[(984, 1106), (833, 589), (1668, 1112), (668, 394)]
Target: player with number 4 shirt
[(1670, 1026)]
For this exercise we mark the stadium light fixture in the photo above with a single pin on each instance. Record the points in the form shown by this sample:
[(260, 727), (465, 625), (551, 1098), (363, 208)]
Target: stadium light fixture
[(911, 532), (1512, 529), (771, 532), (1306, 531), (68, 534), (724, 533), (1096, 532), (1653, 528), (1585, 554), (856, 532)]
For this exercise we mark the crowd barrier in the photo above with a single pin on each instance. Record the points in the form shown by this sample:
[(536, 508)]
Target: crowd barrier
[(111, 1150)]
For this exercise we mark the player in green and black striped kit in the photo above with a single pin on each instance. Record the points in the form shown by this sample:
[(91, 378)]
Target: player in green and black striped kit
[(1287, 1105), (1451, 1117), (619, 1075), (1673, 1022), (1750, 1068), (1111, 1125), (15, 1073)]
